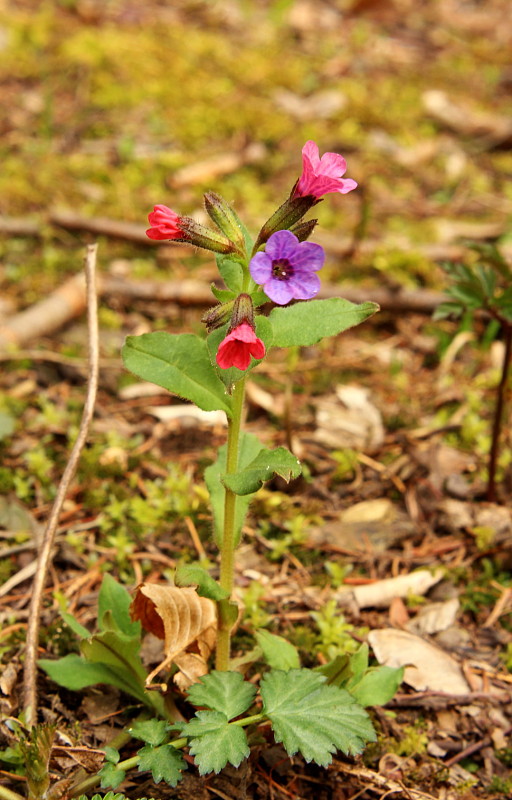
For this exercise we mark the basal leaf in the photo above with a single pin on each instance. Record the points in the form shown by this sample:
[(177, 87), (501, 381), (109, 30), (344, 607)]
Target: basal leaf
[(75, 673), (277, 651), (214, 741), (75, 626), (223, 691), (114, 598), (164, 762), (181, 364), (250, 446), (151, 731), (377, 686), (306, 323), (309, 717), (111, 777), (266, 464), (193, 575)]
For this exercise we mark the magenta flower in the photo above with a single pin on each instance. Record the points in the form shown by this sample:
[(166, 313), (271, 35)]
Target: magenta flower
[(287, 268), (164, 224), (238, 347), (322, 175)]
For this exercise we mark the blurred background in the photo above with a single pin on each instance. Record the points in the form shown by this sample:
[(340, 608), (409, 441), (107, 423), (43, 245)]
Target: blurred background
[(111, 106)]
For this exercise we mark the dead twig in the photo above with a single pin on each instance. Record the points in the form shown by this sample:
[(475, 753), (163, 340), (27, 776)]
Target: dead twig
[(30, 672)]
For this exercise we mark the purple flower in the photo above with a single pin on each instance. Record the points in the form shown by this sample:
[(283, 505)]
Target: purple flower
[(287, 268)]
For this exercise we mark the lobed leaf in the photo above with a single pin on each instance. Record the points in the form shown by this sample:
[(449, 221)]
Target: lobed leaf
[(163, 761), (226, 692), (215, 742), (309, 717), (181, 364), (307, 323), (266, 464)]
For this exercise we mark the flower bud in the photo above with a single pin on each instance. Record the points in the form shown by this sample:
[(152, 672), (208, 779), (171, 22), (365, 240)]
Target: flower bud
[(303, 230), (217, 316), (292, 210), (243, 311), (225, 218), (197, 234)]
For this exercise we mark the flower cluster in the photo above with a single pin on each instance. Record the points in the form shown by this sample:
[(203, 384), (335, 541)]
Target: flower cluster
[(282, 262)]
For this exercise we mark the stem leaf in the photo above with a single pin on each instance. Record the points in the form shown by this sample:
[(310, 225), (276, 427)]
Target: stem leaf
[(266, 464), (304, 324)]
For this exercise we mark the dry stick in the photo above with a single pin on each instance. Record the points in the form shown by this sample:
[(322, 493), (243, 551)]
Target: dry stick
[(498, 414), (30, 673)]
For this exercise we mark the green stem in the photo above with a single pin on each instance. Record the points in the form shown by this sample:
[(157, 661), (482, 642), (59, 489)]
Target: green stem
[(254, 718), (227, 551)]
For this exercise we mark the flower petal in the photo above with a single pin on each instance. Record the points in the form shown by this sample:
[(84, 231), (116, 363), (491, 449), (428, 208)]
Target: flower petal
[(305, 287), (281, 244), (308, 257), (260, 267), (278, 291)]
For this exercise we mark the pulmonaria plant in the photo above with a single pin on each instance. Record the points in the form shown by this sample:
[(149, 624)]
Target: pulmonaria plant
[(308, 711)]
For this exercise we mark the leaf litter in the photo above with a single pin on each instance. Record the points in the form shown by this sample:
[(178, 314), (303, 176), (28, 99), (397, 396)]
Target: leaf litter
[(426, 439)]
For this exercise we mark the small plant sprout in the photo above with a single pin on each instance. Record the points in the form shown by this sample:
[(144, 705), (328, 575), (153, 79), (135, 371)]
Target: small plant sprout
[(311, 712), (485, 288)]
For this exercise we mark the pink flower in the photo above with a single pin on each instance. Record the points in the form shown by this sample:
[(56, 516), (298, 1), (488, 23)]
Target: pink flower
[(164, 224), (322, 175), (238, 347)]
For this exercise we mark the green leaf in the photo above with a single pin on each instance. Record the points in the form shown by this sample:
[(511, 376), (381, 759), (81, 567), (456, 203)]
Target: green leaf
[(306, 323), (120, 653), (181, 364), (223, 691), (231, 271), (338, 671), (223, 295), (164, 762), (312, 718), (75, 626), (115, 599), (249, 447), (377, 686), (232, 375), (151, 731), (266, 464), (277, 651), (215, 741), (111, 776), (193, 575), (75, 673)]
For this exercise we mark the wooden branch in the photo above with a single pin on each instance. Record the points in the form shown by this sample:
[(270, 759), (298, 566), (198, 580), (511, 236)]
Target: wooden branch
[(30, 671)]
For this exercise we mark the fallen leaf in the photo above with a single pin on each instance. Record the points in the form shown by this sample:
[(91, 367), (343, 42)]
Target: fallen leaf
[(426, 666), (377, 524), (349, 420), (380, 593), (185, 621), (435, 617)]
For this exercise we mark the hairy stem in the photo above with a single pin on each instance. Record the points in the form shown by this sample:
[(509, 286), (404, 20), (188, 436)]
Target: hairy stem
[(498, 415), (227, 552)]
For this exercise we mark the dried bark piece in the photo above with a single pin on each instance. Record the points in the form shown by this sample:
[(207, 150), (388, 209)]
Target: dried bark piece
[(185, 621)]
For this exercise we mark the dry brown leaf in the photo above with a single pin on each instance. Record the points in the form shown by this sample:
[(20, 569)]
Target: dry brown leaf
[(427, 667), (185, 621), (380, 593)]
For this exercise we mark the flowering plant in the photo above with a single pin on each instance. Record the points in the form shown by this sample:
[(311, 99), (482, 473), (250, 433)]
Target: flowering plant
[(310, 712)]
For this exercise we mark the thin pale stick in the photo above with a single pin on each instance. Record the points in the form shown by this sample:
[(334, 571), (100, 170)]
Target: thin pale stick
[(30, 672)]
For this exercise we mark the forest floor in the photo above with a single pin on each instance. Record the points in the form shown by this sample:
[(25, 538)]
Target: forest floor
[(112, 108)]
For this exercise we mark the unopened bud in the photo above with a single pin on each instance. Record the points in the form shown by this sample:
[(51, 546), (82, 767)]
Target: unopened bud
[(243, 311), (217, 316), (205, 237), (286, 215), (303, 230), (225, 218)]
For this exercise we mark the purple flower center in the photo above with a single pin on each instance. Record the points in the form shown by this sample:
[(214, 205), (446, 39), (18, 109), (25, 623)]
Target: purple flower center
[(282, 270)]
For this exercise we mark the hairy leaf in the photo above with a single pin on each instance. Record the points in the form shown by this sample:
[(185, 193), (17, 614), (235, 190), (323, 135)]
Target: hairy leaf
[(306, 323), (309, 717), (115, 599), (377, 686), (181, 364), (266, 464), (191, 574), (151, 731), (223, 691), (277, 651), (214, 741), (164, 762), (111, 777)]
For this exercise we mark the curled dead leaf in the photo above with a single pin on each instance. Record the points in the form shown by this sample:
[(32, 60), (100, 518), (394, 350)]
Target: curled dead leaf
[(185, 621)]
